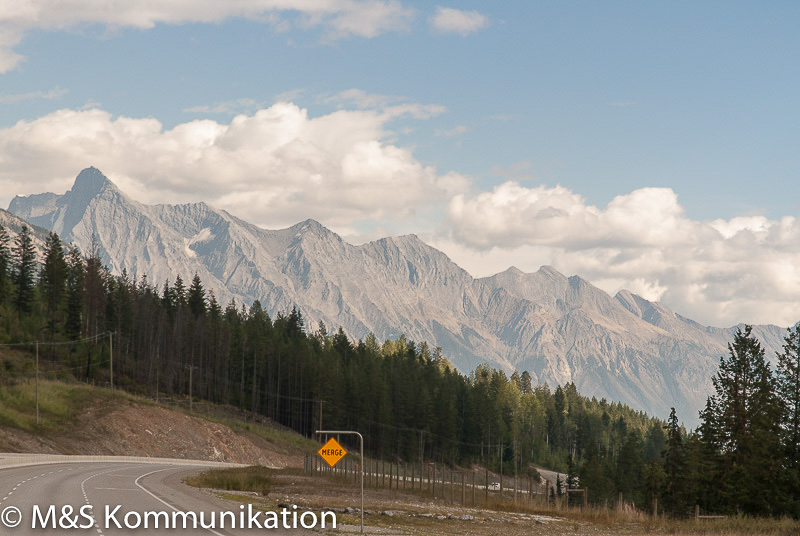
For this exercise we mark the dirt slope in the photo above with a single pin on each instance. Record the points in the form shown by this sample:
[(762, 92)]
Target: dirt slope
[(130, 429)]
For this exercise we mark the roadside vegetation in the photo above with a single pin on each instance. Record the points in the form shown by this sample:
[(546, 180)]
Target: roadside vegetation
[(59, 404), (255, 479)]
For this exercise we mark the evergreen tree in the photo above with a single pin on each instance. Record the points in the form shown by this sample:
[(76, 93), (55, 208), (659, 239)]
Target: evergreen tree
[(746, 415), (788, 391), (197, 297), (572, 475), (179, 291), (525, 383), (214, 309), (75, 287), (674, 466), (5, 264), (630, 468), (95, 287), (24, 271), (53, 280), (706, 460)]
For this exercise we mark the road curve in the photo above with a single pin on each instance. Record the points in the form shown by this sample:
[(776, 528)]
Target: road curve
[(32, 484)]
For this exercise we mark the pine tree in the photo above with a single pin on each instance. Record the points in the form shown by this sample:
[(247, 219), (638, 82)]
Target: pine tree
[(179, 291), (197, 297), (53, 280), (630, 470), (674, 466), (95, 286), (24, 271), (76, 275), (572, 475), (746, 415), (706, 459), (525, 383), (5, 264), (788, 391)]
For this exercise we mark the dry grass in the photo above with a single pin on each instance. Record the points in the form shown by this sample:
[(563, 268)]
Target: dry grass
[(254, 478), (411, 513)]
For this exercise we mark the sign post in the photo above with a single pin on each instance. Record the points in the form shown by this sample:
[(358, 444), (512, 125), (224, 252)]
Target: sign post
[(332, 452)]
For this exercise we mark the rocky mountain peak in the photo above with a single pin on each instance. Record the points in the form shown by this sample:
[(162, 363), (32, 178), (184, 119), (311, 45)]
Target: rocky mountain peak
[(90, 183), (312, 229), (550, 272)]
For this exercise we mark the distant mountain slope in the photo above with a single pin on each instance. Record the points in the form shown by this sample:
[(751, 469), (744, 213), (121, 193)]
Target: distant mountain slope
[(559, 328), (13, 225)]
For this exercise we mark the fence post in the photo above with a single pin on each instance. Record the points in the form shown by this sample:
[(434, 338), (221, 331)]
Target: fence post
[(547, 492), (696, 513), (473, 487), (486, 486), (516, 485)]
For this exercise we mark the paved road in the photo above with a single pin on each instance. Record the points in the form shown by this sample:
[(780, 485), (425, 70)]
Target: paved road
[(135, 486)]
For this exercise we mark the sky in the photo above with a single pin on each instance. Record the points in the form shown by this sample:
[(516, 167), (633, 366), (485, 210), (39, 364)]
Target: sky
[(641, 145)]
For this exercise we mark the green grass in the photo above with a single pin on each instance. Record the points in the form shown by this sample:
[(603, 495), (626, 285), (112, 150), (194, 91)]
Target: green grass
[(254, 478), (59, 403), (273, 435)]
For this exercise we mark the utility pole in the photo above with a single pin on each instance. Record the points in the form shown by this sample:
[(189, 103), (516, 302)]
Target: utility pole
[(111, 350), (37, 382)]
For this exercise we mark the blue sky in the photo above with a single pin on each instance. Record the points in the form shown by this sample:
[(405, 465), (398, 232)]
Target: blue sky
[(466, 123)]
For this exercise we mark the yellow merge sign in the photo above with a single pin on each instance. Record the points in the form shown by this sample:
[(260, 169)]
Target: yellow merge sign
[(332, 452)]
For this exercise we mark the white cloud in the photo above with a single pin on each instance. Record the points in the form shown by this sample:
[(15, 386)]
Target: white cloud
[(274, 167), (457, 130), (449, 20), (362, 99), (52, 94), (339, 18), (719, 272), (390, 106), (369, 18), (228, 107)]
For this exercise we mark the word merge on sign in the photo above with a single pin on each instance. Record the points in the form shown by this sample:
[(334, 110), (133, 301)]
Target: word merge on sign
[(332, 452)]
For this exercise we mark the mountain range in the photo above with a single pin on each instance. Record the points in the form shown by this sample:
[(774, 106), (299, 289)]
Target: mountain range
[(560, 329)]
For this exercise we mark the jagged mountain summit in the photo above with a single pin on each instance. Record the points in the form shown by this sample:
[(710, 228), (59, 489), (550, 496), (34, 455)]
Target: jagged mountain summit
[(559, 328)]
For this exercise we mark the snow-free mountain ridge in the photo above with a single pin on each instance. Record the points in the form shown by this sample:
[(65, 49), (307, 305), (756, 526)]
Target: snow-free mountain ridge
[(559, 328)]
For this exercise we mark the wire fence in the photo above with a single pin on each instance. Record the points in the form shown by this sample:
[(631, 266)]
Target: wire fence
[(439, 481)]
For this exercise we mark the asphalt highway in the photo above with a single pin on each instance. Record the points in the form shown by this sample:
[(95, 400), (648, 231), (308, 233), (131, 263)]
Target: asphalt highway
[(137, 488)]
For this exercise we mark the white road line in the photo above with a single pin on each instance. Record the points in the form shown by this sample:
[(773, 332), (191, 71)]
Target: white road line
[(162, 501), (86, 497)]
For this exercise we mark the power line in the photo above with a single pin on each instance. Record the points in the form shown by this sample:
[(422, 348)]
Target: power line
[(93, 338)]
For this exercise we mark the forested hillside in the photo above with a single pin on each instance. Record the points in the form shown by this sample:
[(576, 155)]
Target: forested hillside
[(174, 338)]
